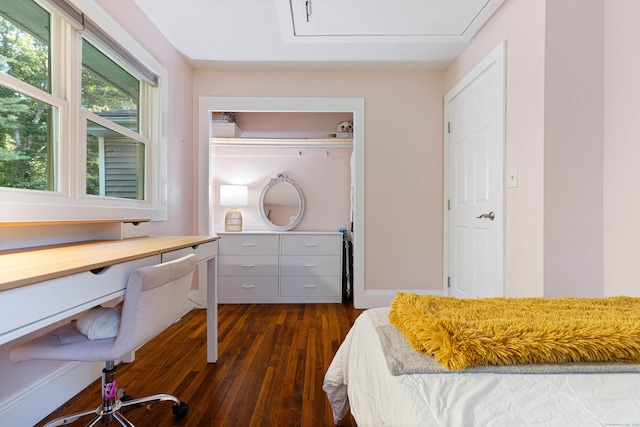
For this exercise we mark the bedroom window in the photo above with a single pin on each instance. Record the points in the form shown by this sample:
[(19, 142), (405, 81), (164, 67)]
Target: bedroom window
[(115, 161), (108, 90), (25, 42), (28, 123), (28, 141), (80, 116)]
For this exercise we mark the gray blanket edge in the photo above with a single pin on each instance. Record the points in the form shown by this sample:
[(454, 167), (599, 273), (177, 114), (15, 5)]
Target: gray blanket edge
[(402, 359)]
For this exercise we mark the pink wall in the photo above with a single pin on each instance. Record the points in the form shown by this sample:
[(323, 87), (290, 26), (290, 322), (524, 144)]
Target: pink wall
[(573, 148), (403, 160), (294, 125), (323, 175), (622, 150), (180, 136), (521, 24)]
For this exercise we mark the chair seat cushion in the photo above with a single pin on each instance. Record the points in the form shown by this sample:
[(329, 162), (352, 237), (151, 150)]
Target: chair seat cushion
[(100, 322)]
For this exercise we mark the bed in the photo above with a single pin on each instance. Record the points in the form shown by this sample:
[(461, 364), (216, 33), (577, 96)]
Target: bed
[(393, 387)]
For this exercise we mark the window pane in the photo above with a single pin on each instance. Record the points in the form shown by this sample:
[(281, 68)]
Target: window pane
[(24, 42), (108, 90), (115, 164), (28, 141)]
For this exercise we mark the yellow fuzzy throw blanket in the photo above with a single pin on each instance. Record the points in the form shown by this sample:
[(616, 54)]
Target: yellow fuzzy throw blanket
[(460, 333)]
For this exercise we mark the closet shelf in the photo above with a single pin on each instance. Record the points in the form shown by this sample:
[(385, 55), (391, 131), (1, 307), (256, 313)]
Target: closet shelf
[(282, 142)]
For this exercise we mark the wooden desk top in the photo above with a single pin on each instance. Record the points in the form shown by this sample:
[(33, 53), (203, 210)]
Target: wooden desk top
[(32, 265)]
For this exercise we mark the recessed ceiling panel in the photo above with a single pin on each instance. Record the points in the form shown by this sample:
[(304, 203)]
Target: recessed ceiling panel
[(340, 34), (380, 18)]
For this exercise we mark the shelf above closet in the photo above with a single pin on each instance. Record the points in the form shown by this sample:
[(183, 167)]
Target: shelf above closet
[(282, 142)]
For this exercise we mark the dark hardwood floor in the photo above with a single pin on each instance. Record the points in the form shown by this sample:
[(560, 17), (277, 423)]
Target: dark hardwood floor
[(270, 370)]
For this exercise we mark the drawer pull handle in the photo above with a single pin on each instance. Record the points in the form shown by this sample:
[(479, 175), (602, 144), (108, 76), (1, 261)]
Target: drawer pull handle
[(310, 286), (311, 245), (311, 265), (249, 244), (248, 286), (248, 265), (99, 270)]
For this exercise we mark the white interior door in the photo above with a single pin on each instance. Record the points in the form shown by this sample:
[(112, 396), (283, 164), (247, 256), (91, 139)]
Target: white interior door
[(474, 141)]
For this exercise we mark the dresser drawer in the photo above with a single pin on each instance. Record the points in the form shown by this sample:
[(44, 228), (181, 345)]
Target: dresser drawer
[(202, 251), (248, 265), (231, 288), (311, 244), (249, 244), (310, 286), (310, 266)]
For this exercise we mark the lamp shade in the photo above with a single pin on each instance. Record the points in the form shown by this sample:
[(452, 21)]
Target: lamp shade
[(233, 195)]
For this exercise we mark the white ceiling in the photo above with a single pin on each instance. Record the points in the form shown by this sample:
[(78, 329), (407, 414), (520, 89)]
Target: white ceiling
[(339, 34)]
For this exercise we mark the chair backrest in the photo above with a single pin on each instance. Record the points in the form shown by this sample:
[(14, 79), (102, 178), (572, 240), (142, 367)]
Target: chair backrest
[(155, 297)]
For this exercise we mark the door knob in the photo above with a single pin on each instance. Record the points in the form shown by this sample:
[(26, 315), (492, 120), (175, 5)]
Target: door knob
[(489, 215)]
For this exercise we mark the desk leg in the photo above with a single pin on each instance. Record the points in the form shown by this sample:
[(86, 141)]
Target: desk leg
[(212, 311)]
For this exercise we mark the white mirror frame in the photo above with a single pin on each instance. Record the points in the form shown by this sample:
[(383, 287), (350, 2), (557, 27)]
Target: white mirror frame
[(279, 179)]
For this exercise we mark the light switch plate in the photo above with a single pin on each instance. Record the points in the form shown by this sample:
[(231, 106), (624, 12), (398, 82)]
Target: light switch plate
[(512, 179)]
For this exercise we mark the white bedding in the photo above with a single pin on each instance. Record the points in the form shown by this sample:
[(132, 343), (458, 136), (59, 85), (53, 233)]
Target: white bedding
[(358, 378)]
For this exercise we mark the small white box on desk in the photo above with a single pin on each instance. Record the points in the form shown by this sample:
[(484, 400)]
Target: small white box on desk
[(135, 229), (122, 230)]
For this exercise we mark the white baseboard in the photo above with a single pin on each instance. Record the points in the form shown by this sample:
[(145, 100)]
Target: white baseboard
[(30, 405), (372, 299)]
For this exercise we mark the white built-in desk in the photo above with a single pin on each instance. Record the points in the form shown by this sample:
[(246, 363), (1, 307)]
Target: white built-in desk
[(43, 285)]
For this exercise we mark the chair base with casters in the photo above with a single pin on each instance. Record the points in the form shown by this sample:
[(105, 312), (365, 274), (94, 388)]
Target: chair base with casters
[(154, 299), (112, 406)]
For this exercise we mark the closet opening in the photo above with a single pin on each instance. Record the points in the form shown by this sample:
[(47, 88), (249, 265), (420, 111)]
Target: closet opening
[(300, 137)]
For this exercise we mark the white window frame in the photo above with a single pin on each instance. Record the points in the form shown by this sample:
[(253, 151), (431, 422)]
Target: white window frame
[(82, 167), (70, 201)]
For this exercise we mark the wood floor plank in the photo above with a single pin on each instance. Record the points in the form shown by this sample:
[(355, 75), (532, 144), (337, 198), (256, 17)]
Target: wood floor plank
[(270, 370)]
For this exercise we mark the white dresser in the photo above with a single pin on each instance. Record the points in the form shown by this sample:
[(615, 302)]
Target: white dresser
[(280, 267)]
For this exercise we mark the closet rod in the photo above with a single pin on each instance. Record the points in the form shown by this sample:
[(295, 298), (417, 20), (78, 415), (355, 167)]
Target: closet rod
[(297, 154), (283, 145), (281, 142)]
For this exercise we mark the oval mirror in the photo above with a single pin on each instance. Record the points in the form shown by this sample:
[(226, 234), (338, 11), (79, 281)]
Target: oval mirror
[(281, 203)]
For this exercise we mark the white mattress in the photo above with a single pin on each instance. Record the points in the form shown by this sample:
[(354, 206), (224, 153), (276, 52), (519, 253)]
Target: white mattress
[(358, 377)]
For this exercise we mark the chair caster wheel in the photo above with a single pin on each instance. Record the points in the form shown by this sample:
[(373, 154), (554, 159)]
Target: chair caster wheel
[(180, 411)]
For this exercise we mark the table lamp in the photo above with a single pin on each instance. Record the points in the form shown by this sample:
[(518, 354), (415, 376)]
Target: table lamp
[(233, 196)]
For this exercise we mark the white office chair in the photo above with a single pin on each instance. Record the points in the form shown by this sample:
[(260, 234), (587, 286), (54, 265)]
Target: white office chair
[(155, 297)]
